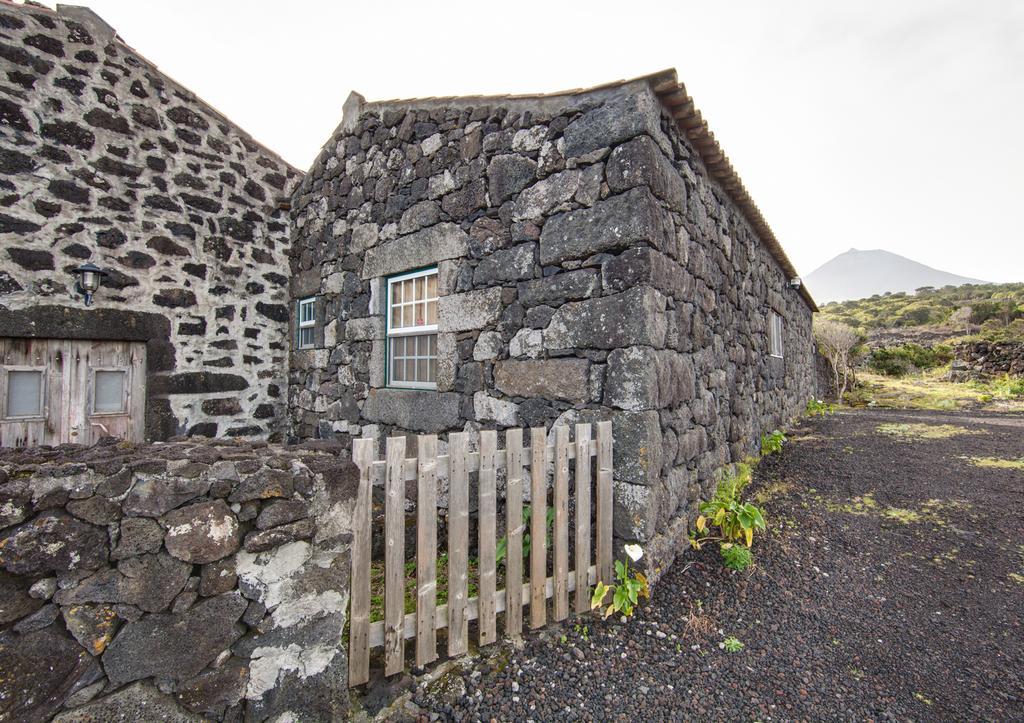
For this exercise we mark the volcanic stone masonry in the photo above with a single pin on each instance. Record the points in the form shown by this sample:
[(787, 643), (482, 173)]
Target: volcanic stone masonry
[(589, 268), (183, 581), (103, 158), (987, 359)]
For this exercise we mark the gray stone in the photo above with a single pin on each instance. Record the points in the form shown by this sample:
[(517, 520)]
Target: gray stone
[(551, 378), (281, 512), (201, 533), (414, 410), (526, 342), (149, 582), (641, 378), (42, 589), (139, 702), (264, 485), (38, 620), (40, 670), (52, 542), (506, 265), (614, 223), (507, 175), (213, 691), (92, 626), (641, 163), (417, 216), (634, 317), (488, 409), (422, 248), (646, 266), (637, 450), (96, 510), (488, 346), (537, 201), (635, 511), (218, 578), (175, 647), (613, 122), (556, 290), (278, 536), (469, 311), (156, 496), (138, 535), (17, 599)]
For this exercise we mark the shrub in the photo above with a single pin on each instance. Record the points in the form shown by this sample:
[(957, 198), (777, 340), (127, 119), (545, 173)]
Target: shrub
[(735, 520), (817, 407), (735, 557), (896, 361), (772, 442)]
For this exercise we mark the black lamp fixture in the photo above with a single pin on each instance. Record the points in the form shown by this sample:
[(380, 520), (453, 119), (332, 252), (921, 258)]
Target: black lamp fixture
[(87, 280)]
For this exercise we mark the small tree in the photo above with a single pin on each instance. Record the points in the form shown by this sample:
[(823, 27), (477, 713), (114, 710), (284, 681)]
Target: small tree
[(838, 342)]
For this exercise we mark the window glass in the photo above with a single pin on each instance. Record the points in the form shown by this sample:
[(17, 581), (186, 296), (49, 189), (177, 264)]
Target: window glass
[(307, 323), (24, 393), (412, 329), (108, 393)]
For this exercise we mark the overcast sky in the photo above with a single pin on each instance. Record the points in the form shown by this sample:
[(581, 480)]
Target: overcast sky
[(895, 124)]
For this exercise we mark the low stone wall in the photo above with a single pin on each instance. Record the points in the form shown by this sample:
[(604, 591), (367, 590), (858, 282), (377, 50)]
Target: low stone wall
[(174, 581), (986, 358)]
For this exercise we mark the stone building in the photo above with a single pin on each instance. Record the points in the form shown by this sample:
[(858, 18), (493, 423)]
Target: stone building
[(461, 263), (104, 159)]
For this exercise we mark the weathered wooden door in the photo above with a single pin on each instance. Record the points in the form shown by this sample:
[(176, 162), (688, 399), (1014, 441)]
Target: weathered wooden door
[(54, 391)]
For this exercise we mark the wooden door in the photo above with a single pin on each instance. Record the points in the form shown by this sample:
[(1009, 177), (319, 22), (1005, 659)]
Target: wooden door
[(55, 391)]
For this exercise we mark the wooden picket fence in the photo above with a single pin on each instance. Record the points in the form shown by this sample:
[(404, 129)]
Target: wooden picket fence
[(542, 459)]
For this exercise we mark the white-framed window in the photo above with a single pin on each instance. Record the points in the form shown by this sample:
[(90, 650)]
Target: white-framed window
[(306, 330), (775, 334), (25, 390), (412, 330)]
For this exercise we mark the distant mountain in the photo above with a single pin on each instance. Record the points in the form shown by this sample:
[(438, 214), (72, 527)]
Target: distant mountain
[(860, 274)]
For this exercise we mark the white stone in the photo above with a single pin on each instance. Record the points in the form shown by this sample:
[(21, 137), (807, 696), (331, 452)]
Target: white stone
[(544, 196), (431, 145), (529, 139), (487, 346), (526, 342), (488, 409)]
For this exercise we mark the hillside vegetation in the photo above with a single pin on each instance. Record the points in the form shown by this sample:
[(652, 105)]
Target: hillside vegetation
[(994, 311)]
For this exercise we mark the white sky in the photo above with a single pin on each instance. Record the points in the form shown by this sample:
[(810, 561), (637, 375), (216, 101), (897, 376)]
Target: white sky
[(895, 124)]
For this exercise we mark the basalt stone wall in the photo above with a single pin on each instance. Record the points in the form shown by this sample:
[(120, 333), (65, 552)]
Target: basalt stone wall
[(103, 158), (588, 269), (988, 359), (173, 582)]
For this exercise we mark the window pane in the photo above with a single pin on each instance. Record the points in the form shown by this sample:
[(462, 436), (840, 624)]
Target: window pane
[(432, 344), (407, 319), (24, 392), (408, 293), (432, 371), (432, 286), (396, 317), (396, 293), (431, 312), (421, 314), (410, 370), (306, 337), (422, 372), (108, 395)]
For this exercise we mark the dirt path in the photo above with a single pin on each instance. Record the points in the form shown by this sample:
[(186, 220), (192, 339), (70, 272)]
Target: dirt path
[(890, 585)]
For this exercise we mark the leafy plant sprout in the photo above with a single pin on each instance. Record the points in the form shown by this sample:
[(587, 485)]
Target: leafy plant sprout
[(630, 587), (732, 645)]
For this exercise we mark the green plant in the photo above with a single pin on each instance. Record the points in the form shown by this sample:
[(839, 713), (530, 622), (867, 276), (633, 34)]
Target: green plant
[(771, 442), (735, 557), (629, 589), (583, 631), (817, 407), (897, 361), (735, 520), (732, 645)]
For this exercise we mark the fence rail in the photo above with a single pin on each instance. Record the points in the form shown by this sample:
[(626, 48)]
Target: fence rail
[(593, 498)]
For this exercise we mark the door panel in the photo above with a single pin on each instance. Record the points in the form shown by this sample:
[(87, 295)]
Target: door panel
[(88, 390)]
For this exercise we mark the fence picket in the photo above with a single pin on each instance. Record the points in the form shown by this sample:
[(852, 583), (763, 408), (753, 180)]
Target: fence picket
[(514, 532), (538, 527), (560, 606), (359, 617), (458, 546), (604, 501), (488, 509), (394, 558), (426, 550), (582, 517)]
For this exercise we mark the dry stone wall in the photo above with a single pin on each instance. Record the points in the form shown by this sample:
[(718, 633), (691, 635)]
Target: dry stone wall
[(105, 159), (589, 269), (983, 359), (182, 581)]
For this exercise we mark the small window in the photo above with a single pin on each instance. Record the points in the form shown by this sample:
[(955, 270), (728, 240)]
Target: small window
[(412, 330), (307, 323), (775, 334), (24, 393), (108, 394)]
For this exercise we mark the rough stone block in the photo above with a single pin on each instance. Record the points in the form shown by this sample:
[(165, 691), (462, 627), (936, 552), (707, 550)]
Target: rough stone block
[(613, 122), (556, 290), (417, 411), (566, 379), (469, 311), (422, 248), (637, 450), (634, 317), (537, 201), (507, 175), (614, 223), (641, 163), (506, 265), (641, 265), (635, 511), (641, 378), (488, 409)]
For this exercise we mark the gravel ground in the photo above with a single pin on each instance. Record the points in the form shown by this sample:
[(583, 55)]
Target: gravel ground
[(884, 589)]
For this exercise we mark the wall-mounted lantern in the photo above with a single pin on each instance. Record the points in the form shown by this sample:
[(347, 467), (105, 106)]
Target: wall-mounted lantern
[(87, 280)]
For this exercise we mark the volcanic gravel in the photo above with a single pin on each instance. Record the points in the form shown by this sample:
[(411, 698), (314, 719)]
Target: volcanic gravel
[(853, 610)]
